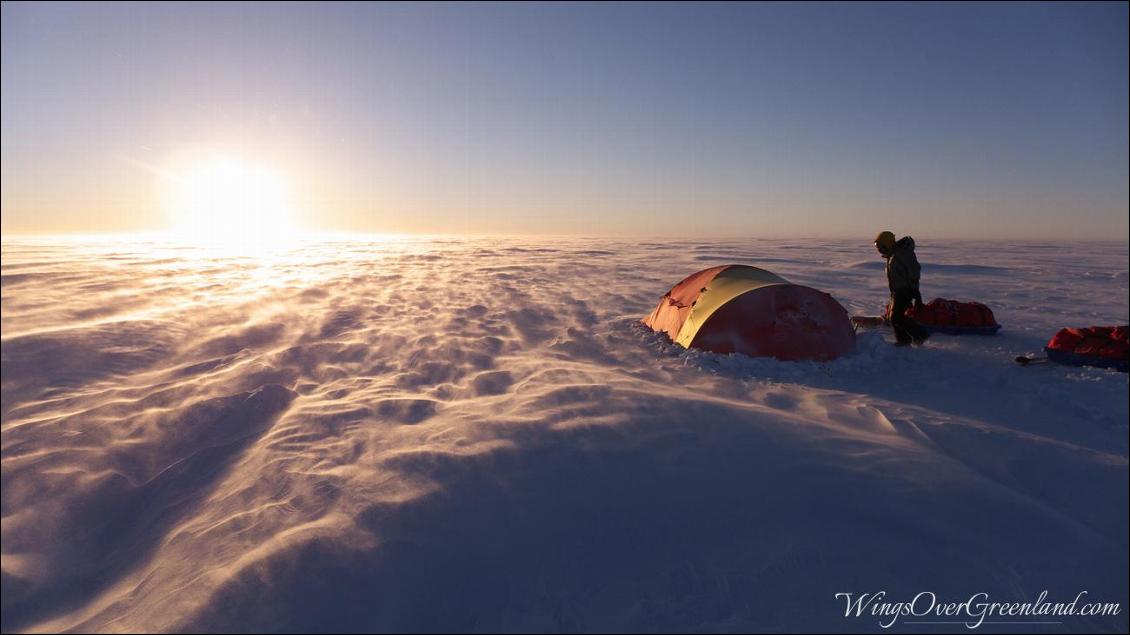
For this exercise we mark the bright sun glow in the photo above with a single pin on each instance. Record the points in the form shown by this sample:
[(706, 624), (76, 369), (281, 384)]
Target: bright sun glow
[(226, 201)]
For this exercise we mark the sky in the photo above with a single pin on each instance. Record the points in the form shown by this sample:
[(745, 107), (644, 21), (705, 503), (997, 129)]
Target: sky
[(826, 120)]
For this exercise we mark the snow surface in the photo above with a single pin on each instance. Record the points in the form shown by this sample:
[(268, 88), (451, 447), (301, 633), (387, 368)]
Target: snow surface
[(477, 434)]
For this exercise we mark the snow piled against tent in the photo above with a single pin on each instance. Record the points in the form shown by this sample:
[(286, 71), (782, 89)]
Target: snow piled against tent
[(477, 434)]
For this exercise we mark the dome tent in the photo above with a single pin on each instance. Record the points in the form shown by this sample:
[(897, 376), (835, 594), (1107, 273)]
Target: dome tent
[(743, 309)]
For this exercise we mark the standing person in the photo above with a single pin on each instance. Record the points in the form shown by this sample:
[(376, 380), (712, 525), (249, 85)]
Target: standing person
[(903, 273)]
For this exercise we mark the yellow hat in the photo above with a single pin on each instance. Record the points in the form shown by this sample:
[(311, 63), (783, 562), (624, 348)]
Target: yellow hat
[(885, 241)]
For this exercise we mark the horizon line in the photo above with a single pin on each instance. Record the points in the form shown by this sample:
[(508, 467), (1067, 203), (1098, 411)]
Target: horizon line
[(359, 234)]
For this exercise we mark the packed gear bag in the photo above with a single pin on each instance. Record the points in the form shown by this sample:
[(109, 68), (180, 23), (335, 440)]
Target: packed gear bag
[(953, 317), (1102, 346)]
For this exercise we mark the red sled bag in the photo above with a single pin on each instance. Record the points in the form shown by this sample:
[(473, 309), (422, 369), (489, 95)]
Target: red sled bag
[(1101, 346), (955, 318)]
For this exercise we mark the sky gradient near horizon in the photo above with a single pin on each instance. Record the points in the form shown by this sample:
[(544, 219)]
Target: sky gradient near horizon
[(975, 120)]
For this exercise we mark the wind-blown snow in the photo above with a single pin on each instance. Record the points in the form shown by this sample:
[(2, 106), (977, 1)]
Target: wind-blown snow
[(476, 434)]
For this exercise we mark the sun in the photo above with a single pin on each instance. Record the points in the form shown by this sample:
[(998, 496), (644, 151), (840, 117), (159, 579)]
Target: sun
[(228, 201)]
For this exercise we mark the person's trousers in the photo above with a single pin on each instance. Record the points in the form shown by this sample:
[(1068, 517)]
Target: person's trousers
[(906, 329)]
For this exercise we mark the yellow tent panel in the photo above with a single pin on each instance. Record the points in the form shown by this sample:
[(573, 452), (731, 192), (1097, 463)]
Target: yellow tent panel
[(725, 286)]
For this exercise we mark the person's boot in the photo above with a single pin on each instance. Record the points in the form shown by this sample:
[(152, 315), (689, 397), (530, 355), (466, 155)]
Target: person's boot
[(921, 339)]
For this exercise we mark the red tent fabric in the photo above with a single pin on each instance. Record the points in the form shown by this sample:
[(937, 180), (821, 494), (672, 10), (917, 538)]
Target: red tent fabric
[(676, 304)]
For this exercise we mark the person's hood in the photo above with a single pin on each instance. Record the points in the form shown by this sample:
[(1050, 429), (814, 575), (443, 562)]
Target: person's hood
[(906, 243)]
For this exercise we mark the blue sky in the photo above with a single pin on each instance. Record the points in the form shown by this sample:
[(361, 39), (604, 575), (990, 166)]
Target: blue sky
[(966, 120)]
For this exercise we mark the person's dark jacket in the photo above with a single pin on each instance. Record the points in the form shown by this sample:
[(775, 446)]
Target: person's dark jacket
[(903, 270)]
